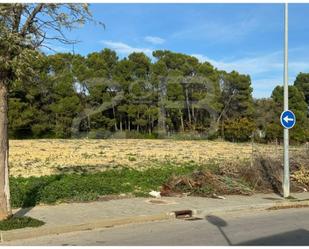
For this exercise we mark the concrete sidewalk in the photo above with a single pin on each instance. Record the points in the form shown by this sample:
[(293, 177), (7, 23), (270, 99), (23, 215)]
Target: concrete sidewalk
[(84, 216)]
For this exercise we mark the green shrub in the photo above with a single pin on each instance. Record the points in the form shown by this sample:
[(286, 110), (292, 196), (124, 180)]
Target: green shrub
[(273, 131), (238, 130), (99, 134), (298, 134), (139, 135), (188, 136)]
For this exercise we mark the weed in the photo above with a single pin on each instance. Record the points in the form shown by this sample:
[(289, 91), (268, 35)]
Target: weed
[(132, 159)]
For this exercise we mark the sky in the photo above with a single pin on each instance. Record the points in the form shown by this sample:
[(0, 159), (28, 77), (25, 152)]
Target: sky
[(247, 38)]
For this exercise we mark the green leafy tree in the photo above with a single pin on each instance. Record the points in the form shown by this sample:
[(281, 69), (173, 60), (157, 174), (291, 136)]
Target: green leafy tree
[(102, 90), (65, 102), (23, 29), (299, 133), (236, 97), (237, 87), (302, 83)]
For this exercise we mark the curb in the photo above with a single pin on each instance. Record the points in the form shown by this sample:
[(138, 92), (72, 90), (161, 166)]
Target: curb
[(201, 213), (105, 223), (27, 233)]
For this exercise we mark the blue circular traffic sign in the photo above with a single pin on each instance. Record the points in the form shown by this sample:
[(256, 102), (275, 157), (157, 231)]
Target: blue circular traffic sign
[(287, 119)]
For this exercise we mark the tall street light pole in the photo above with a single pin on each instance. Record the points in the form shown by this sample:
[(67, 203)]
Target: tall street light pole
[(286, 177)]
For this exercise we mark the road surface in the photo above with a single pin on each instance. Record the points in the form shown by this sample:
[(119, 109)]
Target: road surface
[(280, 227)]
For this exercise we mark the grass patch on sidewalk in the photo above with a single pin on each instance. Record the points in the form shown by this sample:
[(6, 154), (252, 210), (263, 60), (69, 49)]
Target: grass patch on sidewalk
[(28, 192), (19, 222)]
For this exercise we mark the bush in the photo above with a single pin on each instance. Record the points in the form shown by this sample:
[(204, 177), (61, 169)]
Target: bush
[(99, 134), (273, 131), (238, 130), (139, 135), (298, 134), (188, 136)]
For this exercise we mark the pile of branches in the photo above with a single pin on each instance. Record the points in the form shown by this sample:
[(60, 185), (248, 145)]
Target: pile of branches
[(263, 175), (203, 183)]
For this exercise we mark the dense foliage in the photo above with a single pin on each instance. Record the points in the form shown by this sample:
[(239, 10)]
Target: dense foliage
[(100, 95)]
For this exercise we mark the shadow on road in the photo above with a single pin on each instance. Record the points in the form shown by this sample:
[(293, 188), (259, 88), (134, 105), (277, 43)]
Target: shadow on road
[(219, 223), (299, 237)]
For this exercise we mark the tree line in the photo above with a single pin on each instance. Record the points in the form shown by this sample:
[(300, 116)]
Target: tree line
[(172, 94)]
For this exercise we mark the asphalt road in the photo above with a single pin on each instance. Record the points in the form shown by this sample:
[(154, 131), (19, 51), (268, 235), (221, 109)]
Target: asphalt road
[(280, 227)]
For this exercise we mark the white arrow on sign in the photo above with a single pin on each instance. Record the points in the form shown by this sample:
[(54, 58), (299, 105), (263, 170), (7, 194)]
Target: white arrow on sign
[(287, 119)]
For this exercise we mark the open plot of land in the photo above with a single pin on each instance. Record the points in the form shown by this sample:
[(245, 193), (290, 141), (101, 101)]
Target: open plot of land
[(173, 167), (46, 157)]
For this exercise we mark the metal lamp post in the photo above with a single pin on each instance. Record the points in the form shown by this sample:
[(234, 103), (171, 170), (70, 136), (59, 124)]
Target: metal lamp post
[(286, 177)]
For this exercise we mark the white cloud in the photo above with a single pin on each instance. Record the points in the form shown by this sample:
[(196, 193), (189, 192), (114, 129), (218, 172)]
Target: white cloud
[(264, 65), (154, 40), (248, 65), (266, 71), (257, 67), (125, 49)]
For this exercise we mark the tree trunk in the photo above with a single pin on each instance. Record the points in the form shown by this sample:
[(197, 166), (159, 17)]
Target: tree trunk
[(152, 123), (222, 129), (115, 123), (149, 125), (5, 207), (181, 121), (193, 114), (89, 123), (162, 110), (137, 123), (120, 124), (188, 105)]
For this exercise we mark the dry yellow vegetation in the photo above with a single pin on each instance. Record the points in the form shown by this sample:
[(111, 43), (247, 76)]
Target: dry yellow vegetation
[(45, 157)]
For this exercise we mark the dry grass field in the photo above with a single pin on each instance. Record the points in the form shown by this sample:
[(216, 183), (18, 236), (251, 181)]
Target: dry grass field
[(46, 157)]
